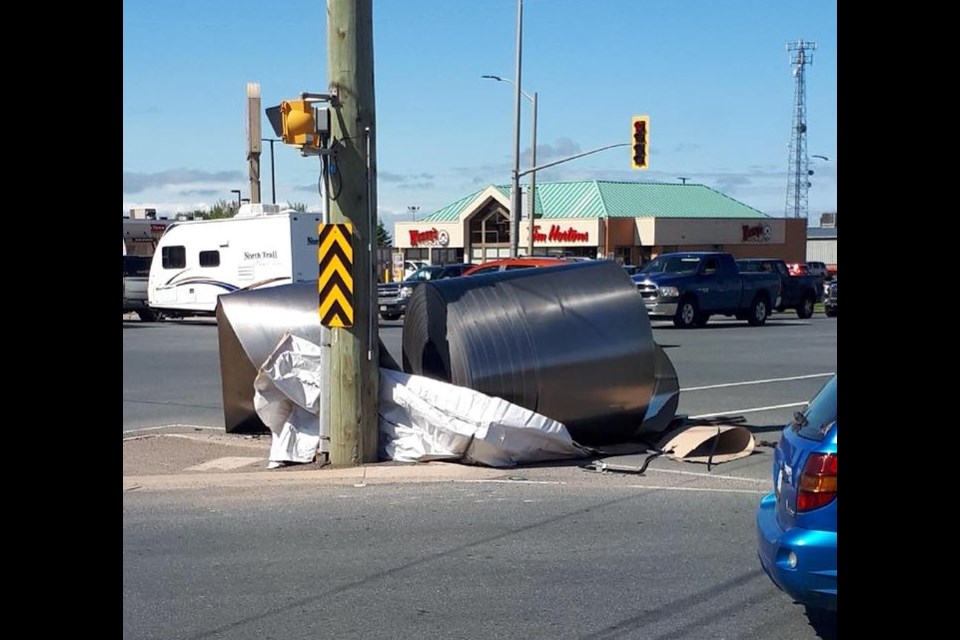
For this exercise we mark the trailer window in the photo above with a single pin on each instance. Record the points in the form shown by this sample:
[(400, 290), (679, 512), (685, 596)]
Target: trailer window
[(174, 257), (209, 258)]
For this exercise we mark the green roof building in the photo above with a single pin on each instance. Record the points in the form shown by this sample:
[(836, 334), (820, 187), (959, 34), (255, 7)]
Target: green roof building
[(627, 221)]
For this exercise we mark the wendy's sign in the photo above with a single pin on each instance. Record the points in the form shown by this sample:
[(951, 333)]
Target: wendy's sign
[(429, 238), (757, 233)]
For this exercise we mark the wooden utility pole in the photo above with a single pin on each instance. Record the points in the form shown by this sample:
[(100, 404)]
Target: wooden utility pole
[(253, 139), (352, 178)]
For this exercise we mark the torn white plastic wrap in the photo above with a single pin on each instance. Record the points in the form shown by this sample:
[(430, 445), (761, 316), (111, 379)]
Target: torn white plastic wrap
[(424, 419), (287, 400), (420, 419)]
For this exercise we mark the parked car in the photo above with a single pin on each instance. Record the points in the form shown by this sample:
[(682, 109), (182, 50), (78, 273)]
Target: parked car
[(690, 287), (509, 264), (392, 296), (796, 292), (410, 266), (830, 302), (136, 270), (631, 269), (817, 269), (797, 522)]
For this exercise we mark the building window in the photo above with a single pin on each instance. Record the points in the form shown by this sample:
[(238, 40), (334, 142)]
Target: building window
[(490, 228), (417, 254), (484, 254), (209, 258), (447, 256), (580, 252), (174, 257)]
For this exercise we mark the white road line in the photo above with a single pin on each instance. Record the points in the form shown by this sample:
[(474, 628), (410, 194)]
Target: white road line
[(712, 476), (736, 412), (767, 381), (754, 492), (496, 481)]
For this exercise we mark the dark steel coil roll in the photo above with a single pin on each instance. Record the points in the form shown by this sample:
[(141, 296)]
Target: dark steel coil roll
[(572, 342)]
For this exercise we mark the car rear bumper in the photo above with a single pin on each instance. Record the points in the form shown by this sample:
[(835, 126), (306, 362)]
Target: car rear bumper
[(813, 579)]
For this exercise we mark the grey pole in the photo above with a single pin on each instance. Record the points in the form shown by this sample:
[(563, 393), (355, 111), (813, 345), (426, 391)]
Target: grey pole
[(533, 179), (273, 171), (515, 196), (533, 156), (253, 139)]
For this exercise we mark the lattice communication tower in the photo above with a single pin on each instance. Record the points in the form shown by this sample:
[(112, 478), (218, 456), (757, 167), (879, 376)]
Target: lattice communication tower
[(798, 173)]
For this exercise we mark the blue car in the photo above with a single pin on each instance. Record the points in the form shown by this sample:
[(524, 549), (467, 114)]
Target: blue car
[(797, 523)]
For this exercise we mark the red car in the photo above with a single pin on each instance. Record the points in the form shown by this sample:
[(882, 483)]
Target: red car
[(509, 264), (798, 268)]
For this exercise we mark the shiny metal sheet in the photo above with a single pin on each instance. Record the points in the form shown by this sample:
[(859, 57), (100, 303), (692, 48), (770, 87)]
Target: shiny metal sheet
[(250, 325)]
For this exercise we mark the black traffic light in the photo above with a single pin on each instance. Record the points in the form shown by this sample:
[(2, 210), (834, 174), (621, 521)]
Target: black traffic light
[(639, 143)]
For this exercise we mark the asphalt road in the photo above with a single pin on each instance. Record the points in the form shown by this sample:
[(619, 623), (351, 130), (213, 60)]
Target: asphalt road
[(546, 551), (172, 371)]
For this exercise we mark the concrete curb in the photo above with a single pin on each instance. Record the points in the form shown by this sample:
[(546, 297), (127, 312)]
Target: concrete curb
[(192, 460), (374, 474)]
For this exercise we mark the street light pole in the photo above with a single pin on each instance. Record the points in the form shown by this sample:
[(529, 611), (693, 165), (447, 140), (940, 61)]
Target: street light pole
[(273, 172), (533, 180), (239, 203), (533, 158), (515, 203)]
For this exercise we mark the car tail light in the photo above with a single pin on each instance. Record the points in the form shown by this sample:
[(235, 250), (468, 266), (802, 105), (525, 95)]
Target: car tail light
[(818, 482)]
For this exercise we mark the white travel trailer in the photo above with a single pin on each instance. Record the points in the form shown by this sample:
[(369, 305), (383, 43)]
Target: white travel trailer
[(198, 261)]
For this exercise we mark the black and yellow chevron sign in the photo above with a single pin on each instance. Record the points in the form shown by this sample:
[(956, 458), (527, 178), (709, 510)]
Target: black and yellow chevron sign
[(336, 275)]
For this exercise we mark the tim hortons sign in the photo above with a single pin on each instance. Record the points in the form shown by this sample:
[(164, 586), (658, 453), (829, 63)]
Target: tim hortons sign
[(558, 234)]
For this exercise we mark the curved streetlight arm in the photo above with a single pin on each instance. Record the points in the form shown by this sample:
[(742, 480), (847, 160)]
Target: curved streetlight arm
[(499, 79)]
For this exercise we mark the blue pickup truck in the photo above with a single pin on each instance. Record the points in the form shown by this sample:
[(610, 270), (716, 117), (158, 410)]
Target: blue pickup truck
[(688, 288)]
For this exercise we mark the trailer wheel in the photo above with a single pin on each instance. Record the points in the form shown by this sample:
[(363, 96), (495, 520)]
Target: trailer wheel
[(758, 312), (687, 314)]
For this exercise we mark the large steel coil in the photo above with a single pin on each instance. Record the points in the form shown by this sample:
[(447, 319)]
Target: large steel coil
[(572, 342)]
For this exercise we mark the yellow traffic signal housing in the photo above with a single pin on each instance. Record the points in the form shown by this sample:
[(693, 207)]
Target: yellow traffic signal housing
[(299, 123), (639, 146)]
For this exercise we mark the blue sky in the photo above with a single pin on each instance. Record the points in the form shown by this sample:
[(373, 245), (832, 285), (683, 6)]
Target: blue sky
[(714, 77)]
